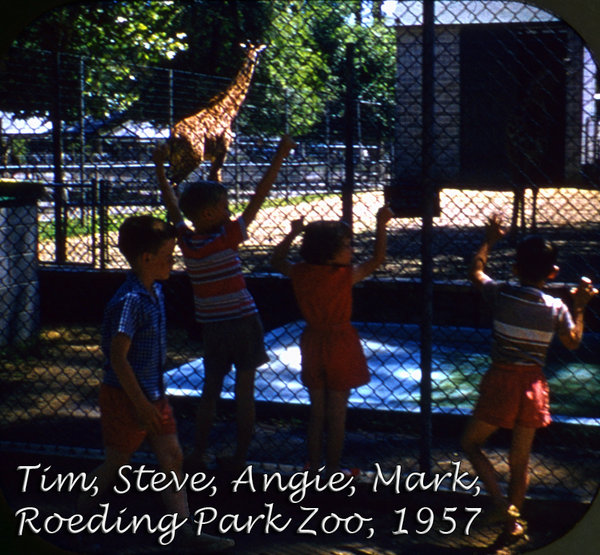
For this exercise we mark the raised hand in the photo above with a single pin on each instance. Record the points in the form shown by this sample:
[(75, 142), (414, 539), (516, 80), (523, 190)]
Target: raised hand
[(286, 145), (494, 231), (583, 293), (297, 226), (384, 214)]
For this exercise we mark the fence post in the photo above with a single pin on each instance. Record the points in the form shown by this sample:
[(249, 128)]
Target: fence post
[(427, 233), (349, 127), (171, 99), (83, 209), (328, 145), (81, 120), (103, 224), (595, 142), (286, 126), (94, 207), (60, 236)]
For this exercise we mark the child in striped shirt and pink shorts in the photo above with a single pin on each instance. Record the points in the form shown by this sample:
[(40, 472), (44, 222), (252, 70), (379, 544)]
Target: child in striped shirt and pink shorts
[(514, 392), (232, 333)]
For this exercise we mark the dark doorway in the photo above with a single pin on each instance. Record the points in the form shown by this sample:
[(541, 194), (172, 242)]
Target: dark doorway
[(513, 104)]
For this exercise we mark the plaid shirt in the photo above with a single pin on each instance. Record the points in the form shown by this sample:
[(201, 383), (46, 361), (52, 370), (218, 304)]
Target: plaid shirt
[(136, 313)]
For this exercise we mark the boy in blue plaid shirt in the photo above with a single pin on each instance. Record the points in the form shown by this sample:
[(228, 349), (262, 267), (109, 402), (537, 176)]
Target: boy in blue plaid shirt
[(132, 398)]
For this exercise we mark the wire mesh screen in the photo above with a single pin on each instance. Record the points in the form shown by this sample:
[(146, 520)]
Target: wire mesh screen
[(515, 132)]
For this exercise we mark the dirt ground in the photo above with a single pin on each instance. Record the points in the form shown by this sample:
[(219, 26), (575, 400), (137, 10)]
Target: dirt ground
[(461, 212)]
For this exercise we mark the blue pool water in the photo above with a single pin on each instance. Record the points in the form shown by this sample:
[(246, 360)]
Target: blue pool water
[(459, 359)]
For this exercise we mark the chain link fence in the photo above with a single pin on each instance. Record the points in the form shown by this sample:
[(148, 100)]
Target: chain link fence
[(512, 128)]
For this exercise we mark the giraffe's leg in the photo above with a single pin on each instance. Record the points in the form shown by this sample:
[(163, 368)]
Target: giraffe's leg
[(517, 206), (217, 163), (534, 191), (162, 151), (184, 158)]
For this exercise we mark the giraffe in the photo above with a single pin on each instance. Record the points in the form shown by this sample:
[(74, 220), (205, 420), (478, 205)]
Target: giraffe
[(207, 134)]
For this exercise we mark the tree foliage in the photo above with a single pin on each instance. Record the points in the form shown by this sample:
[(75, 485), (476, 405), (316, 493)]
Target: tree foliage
[(112, 38), (299, 80), (307, 62), (140, 32)]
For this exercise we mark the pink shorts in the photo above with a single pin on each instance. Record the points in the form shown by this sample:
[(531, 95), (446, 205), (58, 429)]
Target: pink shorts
[(511, 395), (120, 427), (333, 359)]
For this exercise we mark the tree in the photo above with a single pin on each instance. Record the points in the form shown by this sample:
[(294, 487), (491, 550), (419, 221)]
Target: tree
[(110, 51), (114, 39), (306, 60)]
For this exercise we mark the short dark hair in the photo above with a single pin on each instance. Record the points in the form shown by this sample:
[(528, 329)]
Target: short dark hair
[(142, 234), (198, 195), (323, 239), (536, 258)]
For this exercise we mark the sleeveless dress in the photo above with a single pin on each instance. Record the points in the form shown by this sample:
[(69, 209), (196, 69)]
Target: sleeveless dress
[(332, 356)]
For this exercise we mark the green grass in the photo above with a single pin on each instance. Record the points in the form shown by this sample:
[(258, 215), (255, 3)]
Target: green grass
[(78, 226)]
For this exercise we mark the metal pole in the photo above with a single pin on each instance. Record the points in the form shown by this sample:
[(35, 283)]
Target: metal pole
[(82, 183), (60, 239), (171, 100), (286, 126), (94, 200), (595, 142), (328, 147), (103, 225), (349, 128), (81, 121), (427, 233)]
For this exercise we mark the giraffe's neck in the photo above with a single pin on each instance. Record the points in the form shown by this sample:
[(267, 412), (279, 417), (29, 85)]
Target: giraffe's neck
[(230, 101)]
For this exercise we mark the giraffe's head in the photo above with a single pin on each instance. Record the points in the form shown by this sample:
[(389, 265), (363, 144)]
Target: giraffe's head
[(253, 50)]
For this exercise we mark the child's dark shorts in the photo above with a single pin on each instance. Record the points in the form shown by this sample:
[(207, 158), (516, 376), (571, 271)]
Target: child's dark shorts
[(513, 395), (238, 342), (120, 427)]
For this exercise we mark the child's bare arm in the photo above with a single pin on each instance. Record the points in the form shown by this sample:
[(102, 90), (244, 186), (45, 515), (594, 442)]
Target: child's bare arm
[(264, 186), (493, 234), (366, 268), (582, 295), (148, 414), (168, 194), (280, 252)]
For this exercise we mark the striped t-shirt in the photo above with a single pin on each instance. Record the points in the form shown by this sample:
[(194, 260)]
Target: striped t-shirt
[(215, 271), (525, 321)]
